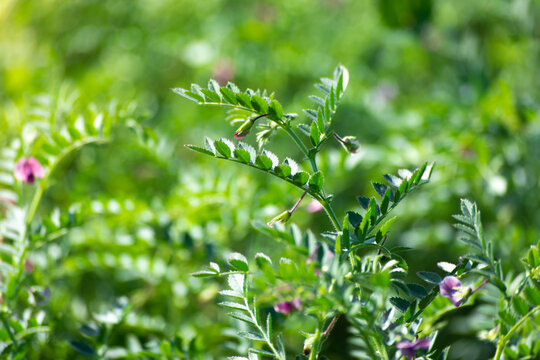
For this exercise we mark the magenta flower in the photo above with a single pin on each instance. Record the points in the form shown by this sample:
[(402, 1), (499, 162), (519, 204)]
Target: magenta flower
[(28, 170), (452, 288), (409, 348), (288, 307)]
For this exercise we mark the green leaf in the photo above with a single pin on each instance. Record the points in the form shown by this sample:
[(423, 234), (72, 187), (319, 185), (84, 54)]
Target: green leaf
[(213, 85), (200, 150), (238, 261), (211, 95), (244, 100), (242, 317), (229, 96), (259, 104), (345, 237), (400, 303), (386, 226), (282, 170), (251, 336), (532, 295), (82, 347), (242, 155), (275, 110), (204, 273), (316, 181), (320, 120), (417, 290), (314, 134), (74, 132), (165, 348), (520, 306), (262, 260), (223, 148), (429, 277), (301, 178), (60, 140), (233, 305), (385, 201), (533, 257), (263, 162)]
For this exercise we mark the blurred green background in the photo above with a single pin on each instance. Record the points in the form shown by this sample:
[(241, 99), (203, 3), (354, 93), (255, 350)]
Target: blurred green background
[(454, 82)]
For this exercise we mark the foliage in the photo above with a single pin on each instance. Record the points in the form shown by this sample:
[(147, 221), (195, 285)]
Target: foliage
[(130, 213)]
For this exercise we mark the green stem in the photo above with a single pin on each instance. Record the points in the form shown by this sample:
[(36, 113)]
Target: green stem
[(326, 205), (314, 353), (8, 329), (504, 339)]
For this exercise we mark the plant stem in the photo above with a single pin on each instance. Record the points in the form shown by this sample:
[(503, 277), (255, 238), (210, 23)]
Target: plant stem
[(504, 339), (314, 353), (8, 329)]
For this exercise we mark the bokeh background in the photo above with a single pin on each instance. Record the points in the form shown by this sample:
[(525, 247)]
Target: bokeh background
[(454, 82)]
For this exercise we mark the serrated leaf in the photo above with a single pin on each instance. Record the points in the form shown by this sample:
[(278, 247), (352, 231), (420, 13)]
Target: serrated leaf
[(236, 282), (316, 181), (242, 317), (213, 85), (301, 178), (259, 104), (222, 148), (204, 273), (242, 155), (238, 261), (263, 162), (379, 188), (429, 277), (229, 95), (400, 303), (532, 295), (275, 110), (363, 201), (520, 306), (282, 170), (262, 352), (199, 149), (231, 293), (262, 260), (244, 100), (386, 226), (214, 97), (233, 305), (417, 290), (314, 134)]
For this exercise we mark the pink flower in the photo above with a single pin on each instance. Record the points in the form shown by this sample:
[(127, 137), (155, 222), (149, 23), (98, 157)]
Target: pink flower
[(451, 288), (288, 307), (28, 170), (314, 206), (408, 348)]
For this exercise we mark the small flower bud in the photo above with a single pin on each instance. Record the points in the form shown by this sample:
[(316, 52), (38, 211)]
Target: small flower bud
[(244, 129), (283, 218), (350, 144)]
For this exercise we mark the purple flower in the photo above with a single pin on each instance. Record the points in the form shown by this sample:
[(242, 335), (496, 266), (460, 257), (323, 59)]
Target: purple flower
[(288, 307), (408, 348), (451, 288), (28, 170)]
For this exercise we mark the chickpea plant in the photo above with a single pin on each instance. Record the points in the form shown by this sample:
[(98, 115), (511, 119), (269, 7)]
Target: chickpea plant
[(349, 270)]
